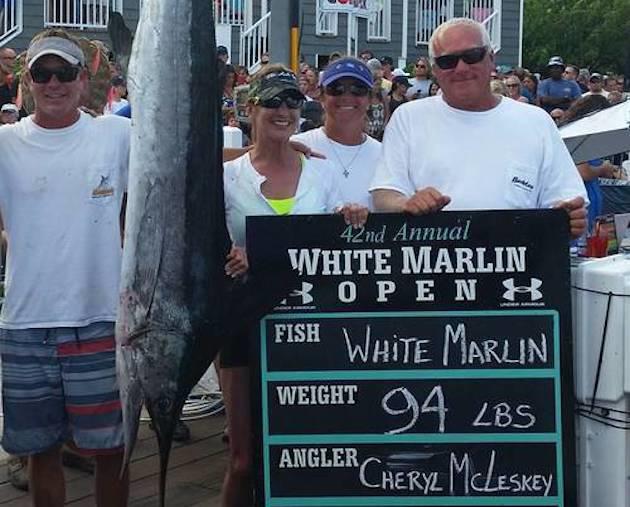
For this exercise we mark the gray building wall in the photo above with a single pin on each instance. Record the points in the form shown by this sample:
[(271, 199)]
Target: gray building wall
[(312, 45), (34, 22)]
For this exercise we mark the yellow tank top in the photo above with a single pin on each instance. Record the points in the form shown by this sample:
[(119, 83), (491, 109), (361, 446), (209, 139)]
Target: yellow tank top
[(282, 206)]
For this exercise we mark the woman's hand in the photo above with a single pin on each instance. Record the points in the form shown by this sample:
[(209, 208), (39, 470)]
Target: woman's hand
[(236, 264), (354, 214)]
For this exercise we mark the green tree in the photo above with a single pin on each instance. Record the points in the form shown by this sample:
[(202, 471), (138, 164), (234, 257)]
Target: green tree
[(587, 33)]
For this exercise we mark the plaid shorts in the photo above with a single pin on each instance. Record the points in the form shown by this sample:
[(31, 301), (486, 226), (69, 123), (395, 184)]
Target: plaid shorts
[(60, 384)]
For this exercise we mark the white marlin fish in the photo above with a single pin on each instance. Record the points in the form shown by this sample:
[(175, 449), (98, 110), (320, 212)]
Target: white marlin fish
[(176, 305)]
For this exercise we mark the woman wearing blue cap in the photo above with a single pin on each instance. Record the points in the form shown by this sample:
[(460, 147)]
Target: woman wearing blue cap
[(346, 84)]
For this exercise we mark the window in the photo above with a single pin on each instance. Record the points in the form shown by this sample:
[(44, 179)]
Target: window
[(380, 24), (326, 22), (487, 12), (79, 14), (10, 19), (230, 12), (429, 15)]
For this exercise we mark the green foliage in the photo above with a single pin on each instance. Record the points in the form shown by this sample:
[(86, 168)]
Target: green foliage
[(587, 33)]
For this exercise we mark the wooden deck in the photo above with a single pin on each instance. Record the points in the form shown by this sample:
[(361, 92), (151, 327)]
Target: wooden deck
[(194, 480)]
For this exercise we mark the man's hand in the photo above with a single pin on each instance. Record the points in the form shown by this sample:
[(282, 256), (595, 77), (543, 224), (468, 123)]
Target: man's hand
[(577, 215), (354, 214), (427, 200)]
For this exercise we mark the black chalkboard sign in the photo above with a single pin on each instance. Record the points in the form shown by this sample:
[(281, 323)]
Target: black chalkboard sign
[(418, 361)]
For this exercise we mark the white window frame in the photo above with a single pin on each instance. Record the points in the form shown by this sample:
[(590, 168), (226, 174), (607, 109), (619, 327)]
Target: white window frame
[(232, 12), (80, 14), (379, 27), (11, 20), (326, 23), (429, 15), (489, 13)]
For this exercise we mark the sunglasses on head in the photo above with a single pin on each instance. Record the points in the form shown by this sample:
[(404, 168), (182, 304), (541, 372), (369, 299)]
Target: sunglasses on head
[(65, 74), (470, 56), (337, 89), (291, 101)]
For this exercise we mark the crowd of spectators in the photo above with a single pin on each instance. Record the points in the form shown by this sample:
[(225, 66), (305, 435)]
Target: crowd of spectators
[(558, 87)]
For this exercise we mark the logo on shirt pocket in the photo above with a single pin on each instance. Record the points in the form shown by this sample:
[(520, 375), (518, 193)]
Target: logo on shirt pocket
[(102, 188), (523, 183), (521, 186)]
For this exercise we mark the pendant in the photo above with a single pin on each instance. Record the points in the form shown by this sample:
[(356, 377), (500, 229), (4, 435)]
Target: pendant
[(346, 173)]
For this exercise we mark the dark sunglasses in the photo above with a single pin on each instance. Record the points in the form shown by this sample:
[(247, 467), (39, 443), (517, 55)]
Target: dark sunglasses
[(470, 56), (275, 102), (65, 74), (338, 89)]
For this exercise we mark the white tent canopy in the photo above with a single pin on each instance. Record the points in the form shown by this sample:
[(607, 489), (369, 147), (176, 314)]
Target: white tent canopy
[(599, 135)]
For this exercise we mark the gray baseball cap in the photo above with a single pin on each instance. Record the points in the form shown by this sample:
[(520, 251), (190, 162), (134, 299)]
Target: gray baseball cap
[(58, 46)]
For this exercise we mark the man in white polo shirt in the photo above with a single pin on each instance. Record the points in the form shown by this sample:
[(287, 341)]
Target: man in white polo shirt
[(469, 149)]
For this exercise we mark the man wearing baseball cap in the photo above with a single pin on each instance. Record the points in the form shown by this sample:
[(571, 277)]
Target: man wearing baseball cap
[(63, 175), (223, 54), (346, 84), (9, 114), (555, 91), (596, 85)]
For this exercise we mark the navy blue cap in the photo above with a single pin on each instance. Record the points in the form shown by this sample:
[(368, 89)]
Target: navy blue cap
[(347, 67)]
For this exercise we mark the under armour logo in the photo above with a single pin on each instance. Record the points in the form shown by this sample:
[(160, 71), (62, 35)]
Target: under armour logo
[(304, 293), (533, 291)]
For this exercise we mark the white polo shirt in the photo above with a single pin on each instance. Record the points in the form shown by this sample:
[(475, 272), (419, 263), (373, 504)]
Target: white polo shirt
[(509, 157)]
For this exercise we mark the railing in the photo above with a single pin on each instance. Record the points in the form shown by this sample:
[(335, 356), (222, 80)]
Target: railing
[(255, 43), (429, 15), (488, 13), (10, 20), (326, 22), (380, 24), (232, 12), (79, 14)]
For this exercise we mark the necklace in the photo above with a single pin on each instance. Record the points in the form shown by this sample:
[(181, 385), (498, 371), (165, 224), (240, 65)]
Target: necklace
[(348, 166)]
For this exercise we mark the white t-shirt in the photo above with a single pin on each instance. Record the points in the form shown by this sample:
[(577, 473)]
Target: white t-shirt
[(510, 157), (61, 192), (353, 166), (419, 86), (115, 106), (316, 193)]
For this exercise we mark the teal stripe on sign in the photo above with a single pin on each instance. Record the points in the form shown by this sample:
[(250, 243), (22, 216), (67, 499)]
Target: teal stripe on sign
[(559, 409), (407, 374), (265, 414), (417, 438), (349, 501), (362, 315)]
